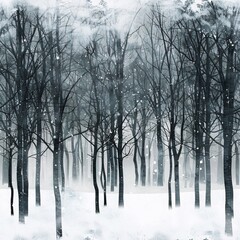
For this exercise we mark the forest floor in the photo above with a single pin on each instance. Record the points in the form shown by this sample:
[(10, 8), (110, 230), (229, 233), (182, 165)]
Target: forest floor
[(145, 217)]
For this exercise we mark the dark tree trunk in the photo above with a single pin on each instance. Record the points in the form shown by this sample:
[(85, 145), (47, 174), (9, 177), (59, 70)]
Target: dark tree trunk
[(25, 149), (20, 185), (56, 90), (228, 183), (120, 78), (58, 204), (143, 157), (112, 167), (202, 165), (149, 163), (112, 156), (10, 184), (208, 128), (24, 155), (172, 139), (108, 164), (81, 157), (135, 153), (170, 177), (74, 160), (196, 180), (228, 113), (177, 182), (197, 128), (6, 159), (103, 176), (220, 163), (173, 123), (67, 160), (61, 159), (186, 167), (237, 163), (115, 152), (120, 149), (40, 90), (94, 159), (208, 172), (95, 149), (134, 132), (143, 161), (19, 177), (96, 126), (39, 152), (9, 153), (25, 179), (121, 180), (160, 153)]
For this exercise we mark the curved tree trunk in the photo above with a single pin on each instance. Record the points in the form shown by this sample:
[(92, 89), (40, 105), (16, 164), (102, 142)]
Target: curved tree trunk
[(237, 163), (103, 176), (170, 178), (10, 184)]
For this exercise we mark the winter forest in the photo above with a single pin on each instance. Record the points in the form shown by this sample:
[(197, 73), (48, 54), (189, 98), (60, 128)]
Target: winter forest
[(120, 119)]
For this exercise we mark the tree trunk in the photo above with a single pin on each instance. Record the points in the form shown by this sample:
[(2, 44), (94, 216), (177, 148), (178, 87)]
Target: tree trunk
[(149, 163), (196, 180), (177, 183), (112, 167), (237, 163), (82, 157), (67, 160), (186, 167), (160, 153), (56, 90), (58, 204), (108, 164), (20, 118), (115, 152), (208, 129), (25, 179), (61, 160), (170, 177), (103, 176), (19, 177), (10, 185), (39, 152), (94, 159), (228, 113), (135, 153), (134, 132), (143, 157), (120, 78), (220, 163), (74, 160), (120, 149), (197, 128), (228, 183), (112, 156)]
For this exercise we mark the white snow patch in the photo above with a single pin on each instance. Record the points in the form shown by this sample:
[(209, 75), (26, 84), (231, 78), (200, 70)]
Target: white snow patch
[(144, 217)]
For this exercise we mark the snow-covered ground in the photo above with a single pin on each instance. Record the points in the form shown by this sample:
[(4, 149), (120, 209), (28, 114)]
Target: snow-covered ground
[(144, 217)]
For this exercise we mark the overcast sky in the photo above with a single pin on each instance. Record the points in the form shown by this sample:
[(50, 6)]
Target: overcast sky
[(116, 4)]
